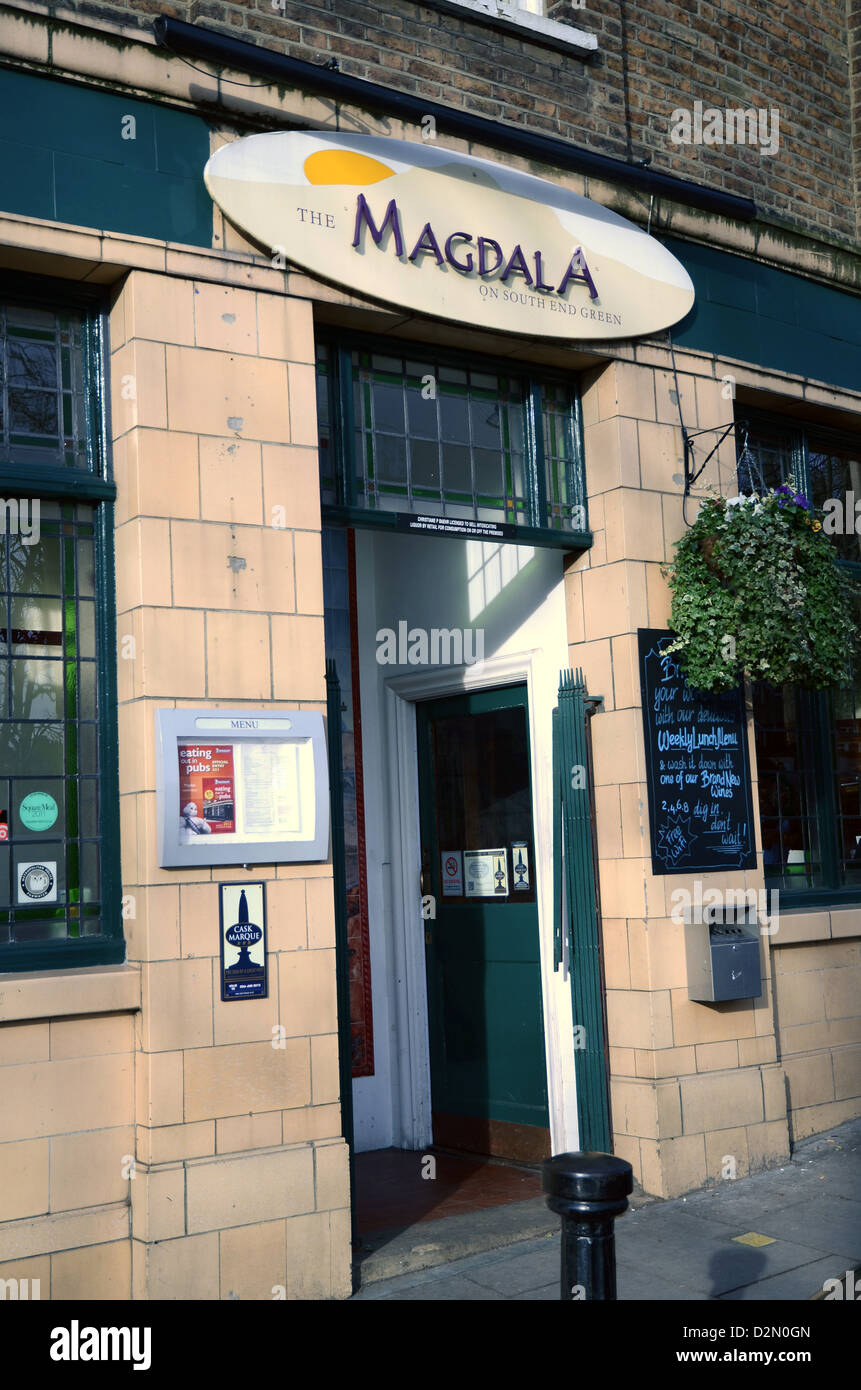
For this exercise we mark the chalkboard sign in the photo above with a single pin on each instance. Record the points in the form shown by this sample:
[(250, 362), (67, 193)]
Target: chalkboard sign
[(700, 808)]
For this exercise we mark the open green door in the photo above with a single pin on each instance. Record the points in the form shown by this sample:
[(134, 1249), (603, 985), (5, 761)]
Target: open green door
[(488, 1069)]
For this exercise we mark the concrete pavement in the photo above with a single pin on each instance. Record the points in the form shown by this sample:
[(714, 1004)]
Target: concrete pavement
[(802, 1223)]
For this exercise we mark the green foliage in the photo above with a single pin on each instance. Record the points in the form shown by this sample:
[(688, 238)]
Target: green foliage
[(757, 589)]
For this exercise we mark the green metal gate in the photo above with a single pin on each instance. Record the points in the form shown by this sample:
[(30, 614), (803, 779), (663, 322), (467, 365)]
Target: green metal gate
[(576, 917)]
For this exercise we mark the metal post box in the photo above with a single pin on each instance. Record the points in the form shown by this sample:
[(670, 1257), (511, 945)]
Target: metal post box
[(722, 951)]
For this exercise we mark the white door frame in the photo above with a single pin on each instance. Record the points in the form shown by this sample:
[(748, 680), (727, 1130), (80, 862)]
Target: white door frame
[(411, 1083)]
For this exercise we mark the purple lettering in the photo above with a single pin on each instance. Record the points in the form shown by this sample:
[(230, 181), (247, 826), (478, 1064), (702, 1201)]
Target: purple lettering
[(578, 270), (392, 218), (483, 267), (517, 266), (467, 265), (427, 242), (539, 271)]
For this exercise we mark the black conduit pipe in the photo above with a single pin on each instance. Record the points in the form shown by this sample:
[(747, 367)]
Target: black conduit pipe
[(222, 51)]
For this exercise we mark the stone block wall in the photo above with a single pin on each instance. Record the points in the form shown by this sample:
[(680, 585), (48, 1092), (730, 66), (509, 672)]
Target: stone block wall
[(242, 1185), (692, 1085)]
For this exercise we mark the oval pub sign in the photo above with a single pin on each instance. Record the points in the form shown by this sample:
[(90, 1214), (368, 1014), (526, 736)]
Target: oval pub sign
[(448, 235)]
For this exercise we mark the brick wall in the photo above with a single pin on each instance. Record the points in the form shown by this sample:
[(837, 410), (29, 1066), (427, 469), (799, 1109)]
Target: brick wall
[(654, 56), (853, 10)]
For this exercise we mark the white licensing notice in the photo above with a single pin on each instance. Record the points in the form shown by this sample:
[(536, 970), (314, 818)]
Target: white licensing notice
[(485, 872)]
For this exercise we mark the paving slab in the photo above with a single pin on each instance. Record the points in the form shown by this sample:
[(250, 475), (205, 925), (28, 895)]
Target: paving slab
[(801, 1283), (521, 1272), (831, 1225), (453, 1289)]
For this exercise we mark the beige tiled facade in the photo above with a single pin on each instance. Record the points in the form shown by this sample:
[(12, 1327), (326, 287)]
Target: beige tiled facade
[(154, 1143), (216, 1121), (692, 1085), (175, 1146)]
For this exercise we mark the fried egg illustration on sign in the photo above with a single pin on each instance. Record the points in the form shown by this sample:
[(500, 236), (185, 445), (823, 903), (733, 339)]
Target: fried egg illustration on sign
[(447, 235)]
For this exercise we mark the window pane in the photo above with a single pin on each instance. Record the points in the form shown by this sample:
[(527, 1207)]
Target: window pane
[(835, 473), (845, 722), (422, 415), (565, 494), (424, 463), (457, 469), (481, 775), (328, 490), (34, 569), (43, 416), (787, 792), (765, 457)]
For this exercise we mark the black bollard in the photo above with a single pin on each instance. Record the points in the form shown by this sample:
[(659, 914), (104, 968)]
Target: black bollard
[(588, 1190)]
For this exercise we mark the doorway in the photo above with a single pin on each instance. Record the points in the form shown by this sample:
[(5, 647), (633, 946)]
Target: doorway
[(485, 1020)]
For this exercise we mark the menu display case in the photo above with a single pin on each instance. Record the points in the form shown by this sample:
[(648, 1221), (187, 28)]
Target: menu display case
[(241, 787)]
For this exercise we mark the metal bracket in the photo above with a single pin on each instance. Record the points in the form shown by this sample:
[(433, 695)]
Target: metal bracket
[(688, 437)]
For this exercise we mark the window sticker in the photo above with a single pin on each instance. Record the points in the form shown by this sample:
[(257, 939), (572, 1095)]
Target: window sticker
[(520, 865), (38, 811), (486, 873), (37, 883), (451, 873)]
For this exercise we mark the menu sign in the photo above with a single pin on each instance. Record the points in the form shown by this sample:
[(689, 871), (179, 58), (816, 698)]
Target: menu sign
[(697, 770), (237, 787)]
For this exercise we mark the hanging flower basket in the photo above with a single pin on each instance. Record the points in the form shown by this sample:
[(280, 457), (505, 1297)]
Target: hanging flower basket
[(758, 590)]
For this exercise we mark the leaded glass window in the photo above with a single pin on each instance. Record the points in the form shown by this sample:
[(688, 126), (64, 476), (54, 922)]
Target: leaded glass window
[(48, 728), (414, 432), (60, 885)]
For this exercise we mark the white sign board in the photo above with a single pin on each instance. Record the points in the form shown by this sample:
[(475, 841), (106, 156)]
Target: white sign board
[(486, 873), (448, 235)]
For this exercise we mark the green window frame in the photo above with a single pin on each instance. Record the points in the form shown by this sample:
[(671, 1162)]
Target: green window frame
[(807, 741), (488, 441), (58, 696)]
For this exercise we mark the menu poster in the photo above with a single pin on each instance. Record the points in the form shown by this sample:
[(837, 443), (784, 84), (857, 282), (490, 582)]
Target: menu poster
[(207, 801), (697, 770)]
